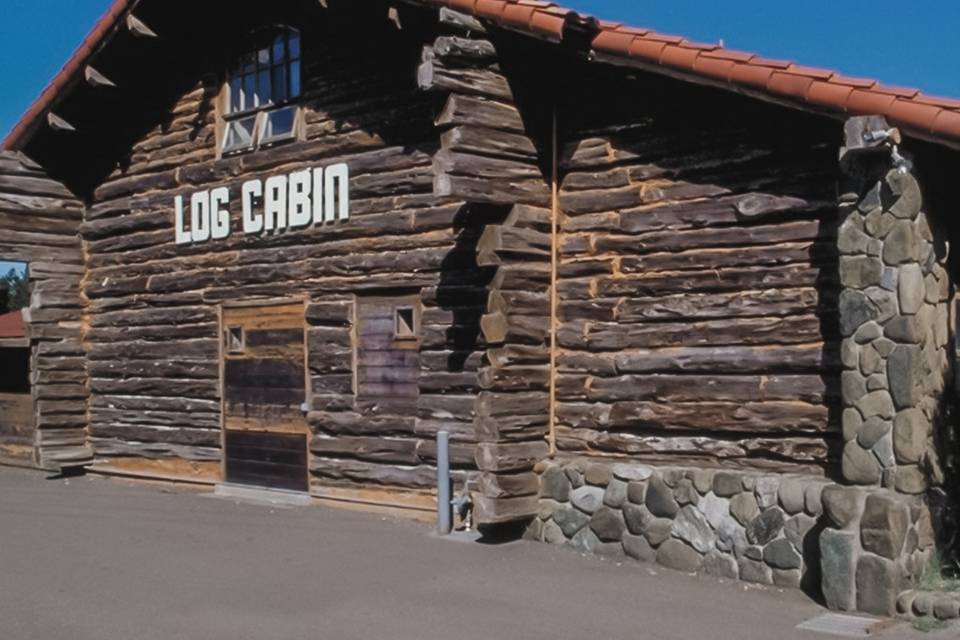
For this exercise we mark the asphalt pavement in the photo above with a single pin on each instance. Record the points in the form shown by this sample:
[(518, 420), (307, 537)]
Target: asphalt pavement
[(103, 559)]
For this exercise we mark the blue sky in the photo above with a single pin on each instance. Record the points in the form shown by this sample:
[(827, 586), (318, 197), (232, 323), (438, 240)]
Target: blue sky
[(913, 44), (6, 266)]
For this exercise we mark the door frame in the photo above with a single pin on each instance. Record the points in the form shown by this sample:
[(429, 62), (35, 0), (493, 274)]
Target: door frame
[(221, 352)]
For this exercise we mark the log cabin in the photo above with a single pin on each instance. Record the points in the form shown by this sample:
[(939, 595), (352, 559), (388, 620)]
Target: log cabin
[(670, 300)]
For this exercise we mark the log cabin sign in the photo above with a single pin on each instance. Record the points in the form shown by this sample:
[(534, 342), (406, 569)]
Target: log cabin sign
[(284, 202)]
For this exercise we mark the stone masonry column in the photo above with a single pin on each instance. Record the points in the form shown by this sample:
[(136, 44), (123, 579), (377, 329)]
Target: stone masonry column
[(894, 316)]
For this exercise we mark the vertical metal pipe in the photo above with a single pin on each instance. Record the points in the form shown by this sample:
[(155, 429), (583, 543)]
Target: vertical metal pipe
[(444, 509)]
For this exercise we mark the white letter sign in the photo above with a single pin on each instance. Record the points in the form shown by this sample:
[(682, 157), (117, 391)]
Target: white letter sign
[(296, 200)]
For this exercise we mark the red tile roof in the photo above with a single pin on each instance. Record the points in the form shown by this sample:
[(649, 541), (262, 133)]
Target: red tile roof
[(11, 325), (921, 115)]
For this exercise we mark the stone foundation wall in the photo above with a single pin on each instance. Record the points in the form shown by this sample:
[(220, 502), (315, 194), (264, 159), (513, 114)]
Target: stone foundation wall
[(761, 528), (876, 544)]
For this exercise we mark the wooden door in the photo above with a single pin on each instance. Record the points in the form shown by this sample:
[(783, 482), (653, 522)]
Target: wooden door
[(265, 431)]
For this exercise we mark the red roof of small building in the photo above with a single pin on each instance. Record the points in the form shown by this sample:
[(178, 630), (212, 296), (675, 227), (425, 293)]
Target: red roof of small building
[(11, 325), (919, 114)]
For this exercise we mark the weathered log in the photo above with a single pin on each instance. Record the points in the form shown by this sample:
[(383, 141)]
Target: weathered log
[(464, 51), (702, 388), (499, 242), (499, 328), (516, 428), (491, 404), (606, 336), (727, 279), (515, 378), (809, 358), (494, 485), (434, 75), (472, 165), (753, 417), (500, 510), (750, 303), (509, 457), (480, 112), (460, 21), (372, 449), (490, 142)]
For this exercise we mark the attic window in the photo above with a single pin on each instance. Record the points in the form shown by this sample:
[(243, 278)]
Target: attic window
[(261, 93)]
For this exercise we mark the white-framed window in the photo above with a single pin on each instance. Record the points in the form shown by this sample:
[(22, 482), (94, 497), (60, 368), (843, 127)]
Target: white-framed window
[(262, 90)]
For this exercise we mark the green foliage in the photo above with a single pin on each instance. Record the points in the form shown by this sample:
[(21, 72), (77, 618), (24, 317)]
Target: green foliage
[(932, 578), (17, 288), (927, 624)]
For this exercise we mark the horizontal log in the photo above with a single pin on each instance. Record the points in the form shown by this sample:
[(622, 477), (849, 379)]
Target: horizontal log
[(146, 433), (741, 236), (498, 404), (501, 485), (434, 75), (753, 417), (480, 112), (510, 457), (488, 511), (491, 190), (361, 423), (361, 472), (794, 454), (153, 450), (517, 355), (499, 328), (726, 279), (460, 21), (738, 304), (460, 452), (810, 358), (490, 142), (463, 51), (607, 336), (515, 378), (373, 449), (499, 242), (514, 428)]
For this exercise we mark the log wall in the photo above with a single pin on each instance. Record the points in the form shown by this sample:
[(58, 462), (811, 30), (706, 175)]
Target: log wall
[(698, 279), (153, 343), (490, 158), (39, 218)]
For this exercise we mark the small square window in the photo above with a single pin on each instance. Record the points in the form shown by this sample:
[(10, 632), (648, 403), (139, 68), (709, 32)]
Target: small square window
[(280, 125), (240, 134), (405, 326), (235, 340)]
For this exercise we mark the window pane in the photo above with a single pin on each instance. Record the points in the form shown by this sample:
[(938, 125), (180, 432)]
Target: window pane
[(278, 53), (294, 79), (248, 62), (280, 83), (249, 91), (239, 134), (263, 88), (279, 124), (294, 45), (235, 96)]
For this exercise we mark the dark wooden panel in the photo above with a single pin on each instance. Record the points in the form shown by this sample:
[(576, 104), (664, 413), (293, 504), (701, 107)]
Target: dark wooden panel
[(261, 396), (272, 373), (270, 460), (273, 337)]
